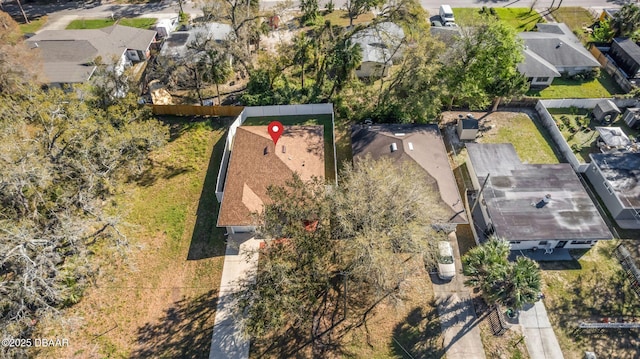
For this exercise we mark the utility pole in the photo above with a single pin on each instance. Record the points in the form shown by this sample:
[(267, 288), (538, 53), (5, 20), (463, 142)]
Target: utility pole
[(475, 203)]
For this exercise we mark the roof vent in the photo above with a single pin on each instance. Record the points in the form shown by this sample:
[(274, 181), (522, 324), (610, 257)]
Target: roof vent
[(35, 44), (284, 149), (398, 134), (410, 146), (266, 150), (559, 44), (394, 147)]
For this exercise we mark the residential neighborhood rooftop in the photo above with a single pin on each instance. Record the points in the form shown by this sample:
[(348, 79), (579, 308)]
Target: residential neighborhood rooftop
[(514, 192), (68, 55), (256, 164), (556, 44), (622, 172), (421, 144)]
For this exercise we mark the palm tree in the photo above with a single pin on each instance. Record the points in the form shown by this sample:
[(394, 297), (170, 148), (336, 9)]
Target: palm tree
[(218, 69), (346, 57), (303, 47), (512, 284)]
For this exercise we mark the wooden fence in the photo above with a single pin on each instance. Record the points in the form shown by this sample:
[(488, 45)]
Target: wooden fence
[(611, 68), (191, 110)]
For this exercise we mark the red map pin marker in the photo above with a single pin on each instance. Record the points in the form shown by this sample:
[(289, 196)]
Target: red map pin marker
[(275, 130)]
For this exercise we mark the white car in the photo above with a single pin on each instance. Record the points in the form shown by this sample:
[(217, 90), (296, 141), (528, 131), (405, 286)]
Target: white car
[(446, 263)]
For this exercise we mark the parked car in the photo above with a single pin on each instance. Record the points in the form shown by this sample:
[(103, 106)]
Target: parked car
[(446, 262)]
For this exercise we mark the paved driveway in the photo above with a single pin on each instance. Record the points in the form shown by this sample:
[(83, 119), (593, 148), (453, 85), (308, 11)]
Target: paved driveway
[(457, 316), (240, 260)]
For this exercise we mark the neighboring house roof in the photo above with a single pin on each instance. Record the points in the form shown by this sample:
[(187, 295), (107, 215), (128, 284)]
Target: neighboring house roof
[(68, 54), (558, 46), (380, 42), (613, 136), (630, 50), (252, 169), (514, 189), (421, 144), (622, 173), (176, 44)]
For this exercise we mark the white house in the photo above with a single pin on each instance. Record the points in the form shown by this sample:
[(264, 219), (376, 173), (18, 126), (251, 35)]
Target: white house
[(532, 206), (616, 178), (380, 44), (551, 51)]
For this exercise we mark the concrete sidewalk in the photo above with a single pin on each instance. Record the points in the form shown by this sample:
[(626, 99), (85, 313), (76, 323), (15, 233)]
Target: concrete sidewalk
[(241, 258), (539, 336)]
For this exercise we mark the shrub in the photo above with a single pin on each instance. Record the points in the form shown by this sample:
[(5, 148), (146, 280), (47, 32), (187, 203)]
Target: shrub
[(575, 148)]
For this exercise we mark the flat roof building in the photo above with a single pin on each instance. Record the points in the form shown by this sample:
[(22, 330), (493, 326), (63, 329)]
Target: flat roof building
[(541, 206)]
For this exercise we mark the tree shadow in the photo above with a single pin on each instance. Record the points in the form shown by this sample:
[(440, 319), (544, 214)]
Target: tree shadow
[(418, 336), (208, 240), (184, 331)]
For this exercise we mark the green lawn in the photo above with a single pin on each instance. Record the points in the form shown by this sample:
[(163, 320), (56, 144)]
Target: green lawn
[(324, 120), (34, 25), (603, 86), (576, 18), (139, 22), (81, 24), (530, 141), (521, 19)]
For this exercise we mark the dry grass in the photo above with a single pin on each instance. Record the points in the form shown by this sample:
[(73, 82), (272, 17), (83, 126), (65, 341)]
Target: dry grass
[(590, 290), (395, 329), (159, 300), (340, 18), (511, 345)]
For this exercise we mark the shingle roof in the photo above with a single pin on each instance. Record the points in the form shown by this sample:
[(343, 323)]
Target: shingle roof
[(514, 188), (535, 66), (251, 169), (622, 173), (379, 43), (65, 53), (556, 44), (428, 152)]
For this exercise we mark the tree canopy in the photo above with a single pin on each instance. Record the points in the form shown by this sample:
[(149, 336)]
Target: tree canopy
[(482, 66), (512, 284), (334, 254), (61, 158)]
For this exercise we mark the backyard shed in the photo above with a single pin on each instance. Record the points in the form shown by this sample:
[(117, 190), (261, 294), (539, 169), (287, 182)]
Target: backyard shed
[(632, 117), (467, 129), (606, 111)]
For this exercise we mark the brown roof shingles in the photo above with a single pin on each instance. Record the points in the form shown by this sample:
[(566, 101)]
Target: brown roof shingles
[(251, 171)]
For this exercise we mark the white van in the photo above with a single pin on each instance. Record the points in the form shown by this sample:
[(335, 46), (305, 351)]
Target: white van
[(446, 14)]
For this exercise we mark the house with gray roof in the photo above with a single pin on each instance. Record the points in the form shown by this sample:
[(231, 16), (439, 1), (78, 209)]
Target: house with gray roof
[(70, 56), (551, 52), (616, 178), (177, 44), (626, 54), (380, 44), (532, 206), (419, 144)]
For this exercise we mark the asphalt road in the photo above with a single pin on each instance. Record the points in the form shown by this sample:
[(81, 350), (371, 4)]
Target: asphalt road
[(97, 8)]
